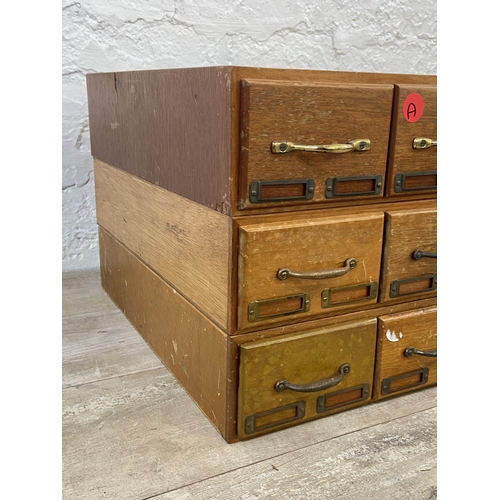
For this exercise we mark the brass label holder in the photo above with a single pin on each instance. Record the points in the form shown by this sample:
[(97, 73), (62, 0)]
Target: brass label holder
[(332, 185), (387, 382), (254, 308), (256, 188), (251, 424), (321, 401), (326, 295), (396, 285), (400, 181)]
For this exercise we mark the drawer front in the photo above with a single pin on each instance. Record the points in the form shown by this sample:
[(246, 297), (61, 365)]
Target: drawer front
[(406, 352), (409, 268), (276, 115), (412, 166), (297, 377), (296, 269)]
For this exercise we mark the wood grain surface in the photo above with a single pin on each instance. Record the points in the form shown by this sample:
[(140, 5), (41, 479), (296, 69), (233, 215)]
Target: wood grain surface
[(169, 127), (301, 359), (318, 243), (396, 332), (324, 76), (312, 114), (402, 157), (192, 347), (405, 232), (343, 469), (186, 243), (138, 434), (179, 128)]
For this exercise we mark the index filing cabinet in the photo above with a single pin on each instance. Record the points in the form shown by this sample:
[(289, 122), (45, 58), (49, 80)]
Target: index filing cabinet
[(272, 234)]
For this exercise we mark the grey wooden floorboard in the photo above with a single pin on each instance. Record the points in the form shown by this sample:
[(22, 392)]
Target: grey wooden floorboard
[(98, 341), (83, 294), (131, 432), (97, 346), (139, 435), (391, 461)]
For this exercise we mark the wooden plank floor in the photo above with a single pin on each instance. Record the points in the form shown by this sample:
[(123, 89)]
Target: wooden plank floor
[(131, 432)]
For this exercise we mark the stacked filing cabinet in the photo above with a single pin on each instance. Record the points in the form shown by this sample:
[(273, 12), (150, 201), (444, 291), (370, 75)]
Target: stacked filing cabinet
[(272, 234)]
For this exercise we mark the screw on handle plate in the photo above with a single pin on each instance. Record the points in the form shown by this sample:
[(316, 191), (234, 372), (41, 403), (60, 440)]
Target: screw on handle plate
[(282, 385), (418, 254), (285, 273), (281, 147), (411, 351), (423, 143)]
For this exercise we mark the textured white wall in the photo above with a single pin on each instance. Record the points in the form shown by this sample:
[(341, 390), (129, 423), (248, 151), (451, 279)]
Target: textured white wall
[(393, 36)]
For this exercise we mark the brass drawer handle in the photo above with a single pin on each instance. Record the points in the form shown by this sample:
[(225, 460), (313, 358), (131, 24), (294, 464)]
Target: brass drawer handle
[(282, 385), (410, 351), (418, 254), (349, 264), (423, 143), (287, 146)]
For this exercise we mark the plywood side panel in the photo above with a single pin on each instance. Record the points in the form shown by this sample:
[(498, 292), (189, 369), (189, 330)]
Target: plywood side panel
[(184, 242), (170, 127), (192, 348)]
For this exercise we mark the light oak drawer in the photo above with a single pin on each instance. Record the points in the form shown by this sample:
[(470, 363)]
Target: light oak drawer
[(406, 352), (297, 377), (275, 113), (412, 166), (303, 267), (409, 266)]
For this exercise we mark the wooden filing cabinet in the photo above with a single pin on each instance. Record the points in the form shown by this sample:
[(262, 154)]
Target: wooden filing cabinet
[(253, 230)]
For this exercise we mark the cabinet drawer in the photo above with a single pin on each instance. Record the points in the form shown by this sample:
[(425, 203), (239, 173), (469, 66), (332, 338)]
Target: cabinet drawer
[(410, 255), (308, 266), (276, 114), (297, 377), (412, 164), (406, 352)]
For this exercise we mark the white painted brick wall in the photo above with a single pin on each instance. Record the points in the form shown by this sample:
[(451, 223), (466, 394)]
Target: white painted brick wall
[(393, 36)]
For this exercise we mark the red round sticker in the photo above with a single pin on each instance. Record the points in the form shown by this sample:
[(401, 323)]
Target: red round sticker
[(413, 108)]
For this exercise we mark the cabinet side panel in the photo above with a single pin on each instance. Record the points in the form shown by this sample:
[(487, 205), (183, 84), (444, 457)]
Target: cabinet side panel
[(169, 127), (184, 242), (191, 346)]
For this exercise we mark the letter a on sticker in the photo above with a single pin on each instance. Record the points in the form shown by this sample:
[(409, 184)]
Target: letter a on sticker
[(413, 108)]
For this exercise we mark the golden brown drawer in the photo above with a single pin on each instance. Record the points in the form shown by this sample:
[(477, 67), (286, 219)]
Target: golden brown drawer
[(297, 377), (406, 352), (412, 164), (410, 255), (307, 143), (304, 266)]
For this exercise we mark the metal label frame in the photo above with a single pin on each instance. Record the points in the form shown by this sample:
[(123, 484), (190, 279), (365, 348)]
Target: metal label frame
[(254, 307), (400, 181), (321, 401), (386, 382), (396, 284), (326, 294), (255, 195), (332, 183), (250, 421)]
